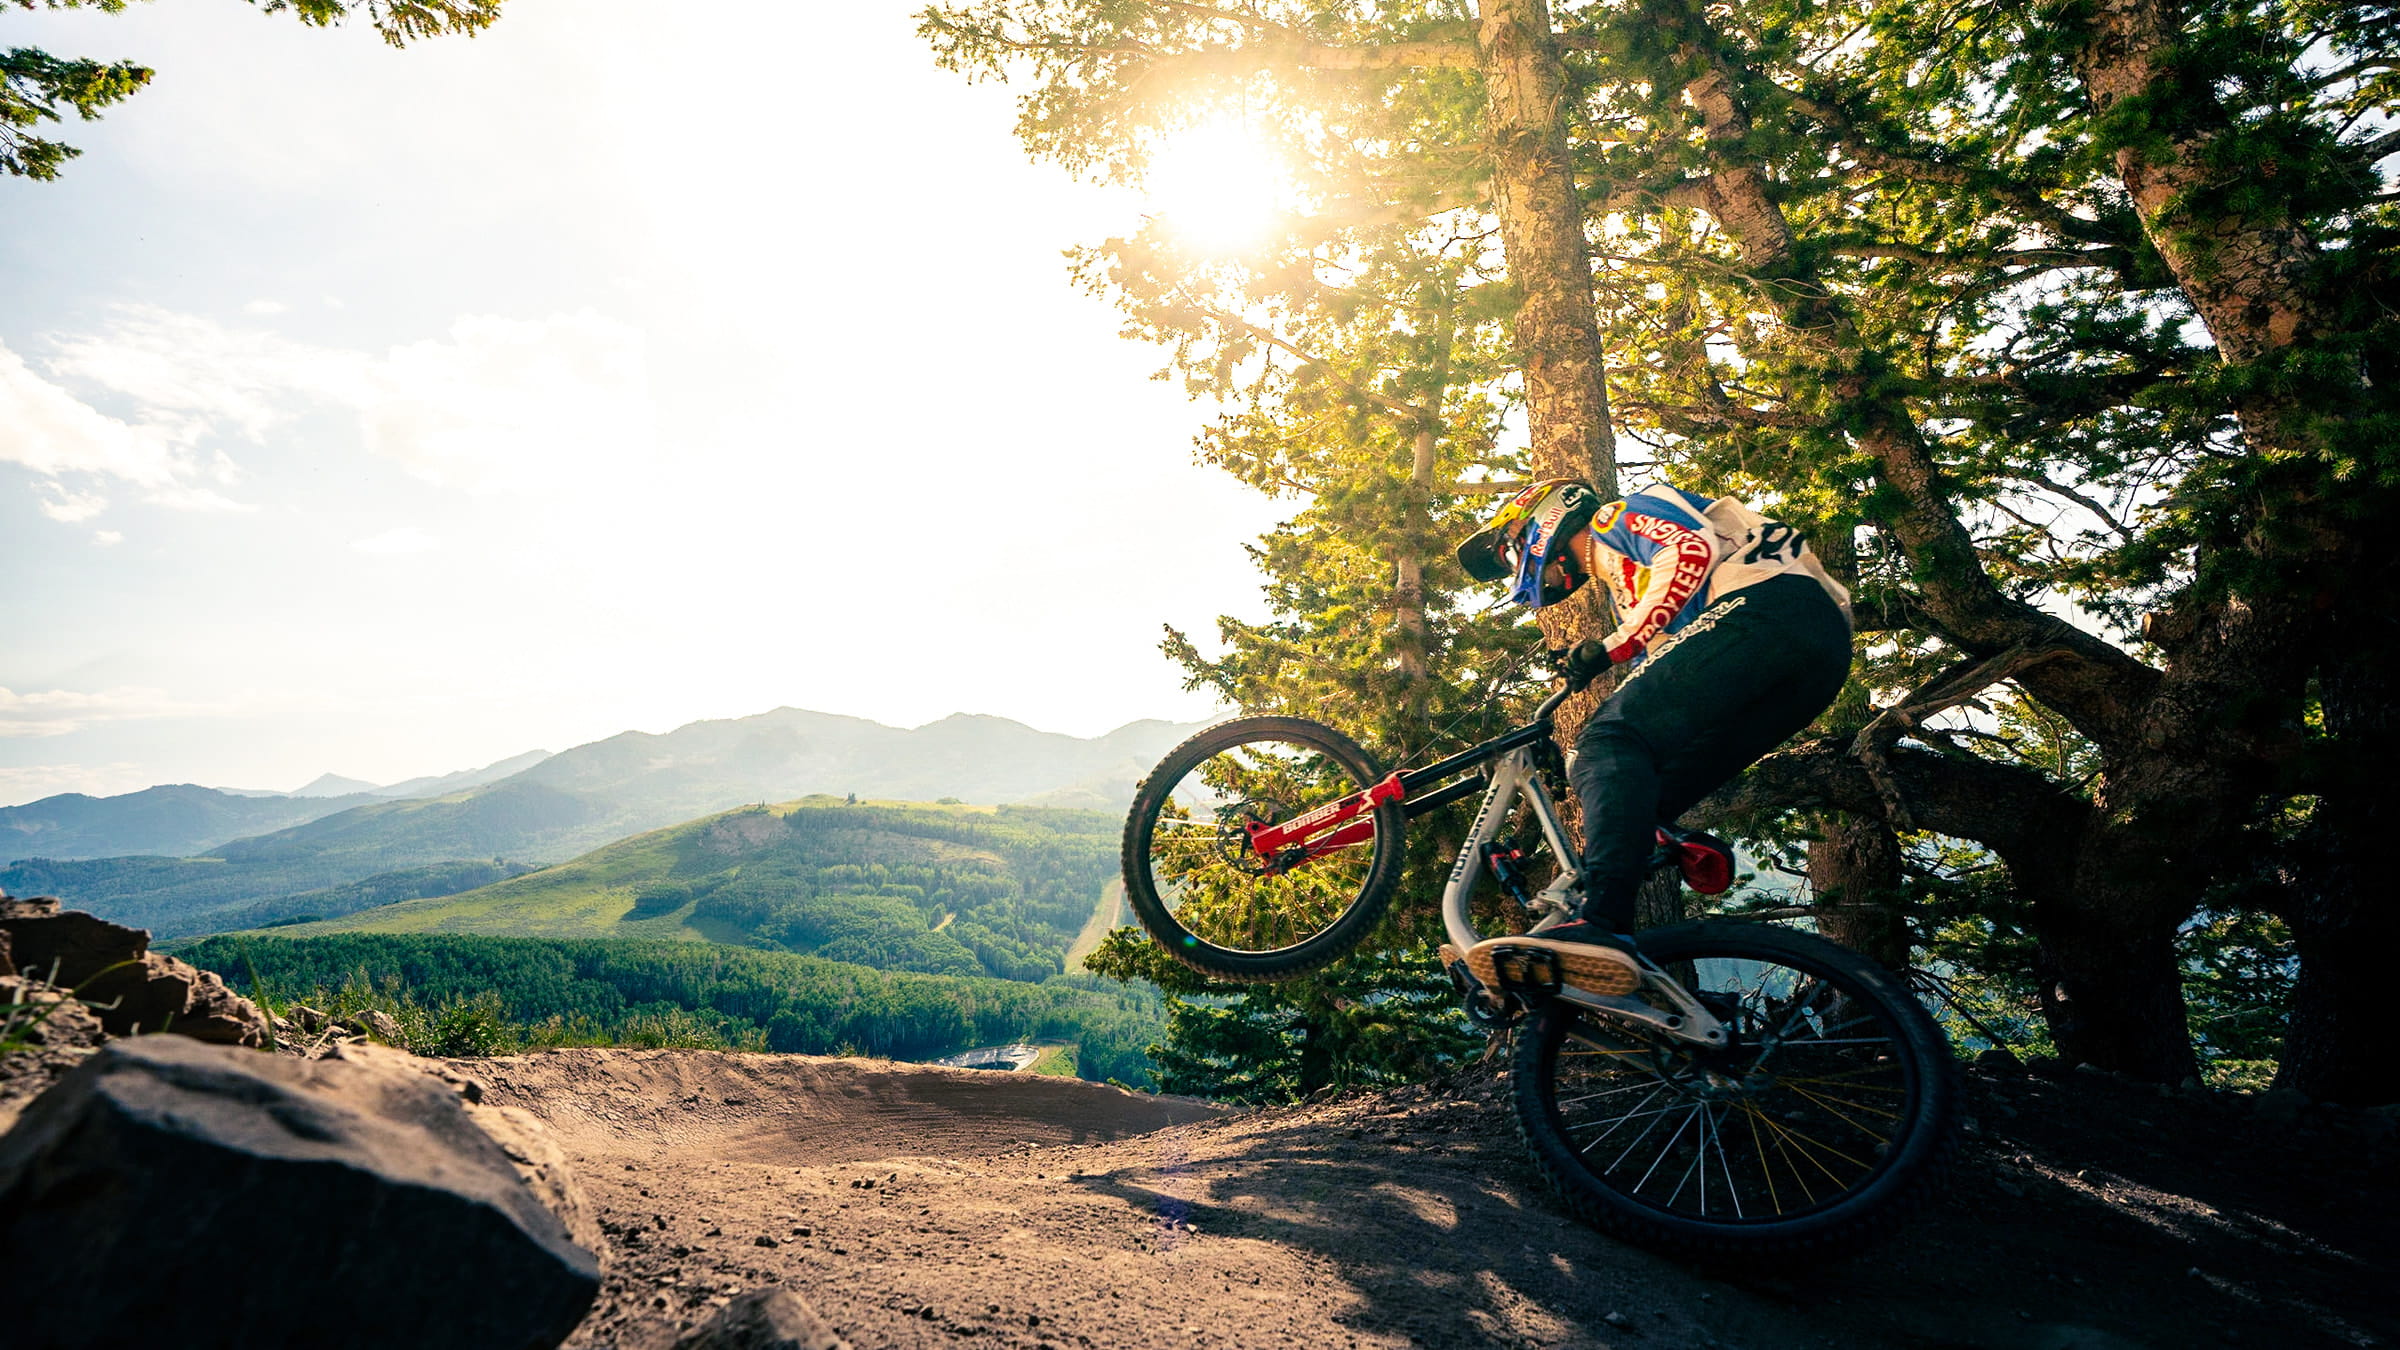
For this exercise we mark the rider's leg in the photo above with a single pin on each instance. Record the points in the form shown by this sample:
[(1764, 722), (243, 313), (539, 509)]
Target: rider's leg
[(1734, 684), (1815, 663)]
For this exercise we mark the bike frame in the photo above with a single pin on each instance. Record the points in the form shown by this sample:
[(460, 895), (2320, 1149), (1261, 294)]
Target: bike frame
[(1515, 771), (1514, 775)]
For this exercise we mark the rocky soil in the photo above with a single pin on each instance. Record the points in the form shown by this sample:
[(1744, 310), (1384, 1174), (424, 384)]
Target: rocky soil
[(917, 1206)]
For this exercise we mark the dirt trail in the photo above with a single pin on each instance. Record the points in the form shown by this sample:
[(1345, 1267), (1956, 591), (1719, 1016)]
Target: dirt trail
[(918, 1206)]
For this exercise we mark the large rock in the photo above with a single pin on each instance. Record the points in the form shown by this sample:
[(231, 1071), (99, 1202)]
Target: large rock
[(764, 1319), (112, 968), (172, 1192), (528, 1143)]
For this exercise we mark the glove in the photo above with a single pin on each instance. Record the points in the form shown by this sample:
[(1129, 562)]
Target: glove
[(1582, 662), (1588, 659)]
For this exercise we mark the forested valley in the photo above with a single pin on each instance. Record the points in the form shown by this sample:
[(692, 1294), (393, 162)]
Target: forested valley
[(469, 995), (939, 889), (820, 926)]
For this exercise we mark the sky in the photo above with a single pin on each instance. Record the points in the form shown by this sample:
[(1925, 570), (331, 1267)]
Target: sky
[(392, 412)]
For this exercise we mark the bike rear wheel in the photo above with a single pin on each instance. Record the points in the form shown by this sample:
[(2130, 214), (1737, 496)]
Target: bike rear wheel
[(1201, 888), (1826, 1115)]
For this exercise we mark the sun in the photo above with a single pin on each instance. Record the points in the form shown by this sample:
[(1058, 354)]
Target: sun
[(1219, 187)]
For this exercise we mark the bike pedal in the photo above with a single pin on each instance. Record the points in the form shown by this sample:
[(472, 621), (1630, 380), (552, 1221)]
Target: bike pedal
[(1527, 971), (1484, 1007)]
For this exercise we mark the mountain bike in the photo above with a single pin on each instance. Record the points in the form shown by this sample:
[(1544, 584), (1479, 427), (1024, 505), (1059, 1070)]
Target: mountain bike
[(1759, 1089)]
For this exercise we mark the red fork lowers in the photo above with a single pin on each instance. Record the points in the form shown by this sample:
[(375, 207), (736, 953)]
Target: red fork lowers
[(1341, 817)]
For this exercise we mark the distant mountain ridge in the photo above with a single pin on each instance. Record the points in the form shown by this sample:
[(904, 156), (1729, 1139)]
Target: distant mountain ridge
[(174, 820), (462, 780), (333, 785), (568, 803), (183, 819)]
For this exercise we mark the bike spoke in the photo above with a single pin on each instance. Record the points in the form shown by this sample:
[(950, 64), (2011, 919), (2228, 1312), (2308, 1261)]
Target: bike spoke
[(1662, 1154), (1805, 1105), (1595, 1096)]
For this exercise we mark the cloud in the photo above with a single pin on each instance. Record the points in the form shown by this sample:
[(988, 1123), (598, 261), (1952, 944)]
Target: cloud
[(399, 539), (69, 508), (53, 433), (198, 376), (107, 538), (505, 405), (265, 307), (196, 499), (58, 712), (495, 405), (21, 783)]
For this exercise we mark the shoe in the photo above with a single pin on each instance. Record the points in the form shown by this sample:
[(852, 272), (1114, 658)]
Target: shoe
[(1578, 953)]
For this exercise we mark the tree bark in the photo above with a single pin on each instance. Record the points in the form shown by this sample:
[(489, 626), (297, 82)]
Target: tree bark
[(2251, 272), (2345, 921), (1541, 236), (2245, 275), (1557, 330), (1854, 874), (2117, 1001)]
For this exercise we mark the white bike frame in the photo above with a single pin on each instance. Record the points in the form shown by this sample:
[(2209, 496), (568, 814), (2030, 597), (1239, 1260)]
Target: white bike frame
[(1514, 774)]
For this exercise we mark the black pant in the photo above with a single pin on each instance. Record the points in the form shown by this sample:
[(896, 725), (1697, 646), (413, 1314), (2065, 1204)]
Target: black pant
[(1736, 682)]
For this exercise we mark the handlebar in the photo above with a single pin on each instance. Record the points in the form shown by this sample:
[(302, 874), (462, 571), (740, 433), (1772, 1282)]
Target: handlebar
[(1572, 687)]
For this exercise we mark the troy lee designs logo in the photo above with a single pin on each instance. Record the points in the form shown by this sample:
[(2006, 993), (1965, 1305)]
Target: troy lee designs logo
[(1692, 559), (1654, 529)]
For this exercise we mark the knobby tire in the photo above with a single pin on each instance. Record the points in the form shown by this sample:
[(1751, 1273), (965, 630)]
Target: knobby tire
[(1810, 1114), (1356, 887)]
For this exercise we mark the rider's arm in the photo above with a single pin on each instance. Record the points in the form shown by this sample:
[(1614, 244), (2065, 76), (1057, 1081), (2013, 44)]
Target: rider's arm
[(1679, 559)]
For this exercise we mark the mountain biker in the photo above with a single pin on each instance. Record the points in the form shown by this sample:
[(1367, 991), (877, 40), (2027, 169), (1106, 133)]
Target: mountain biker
[(1733, 638)]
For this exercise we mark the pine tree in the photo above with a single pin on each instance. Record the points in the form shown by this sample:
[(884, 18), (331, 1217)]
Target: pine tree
[(2013, 308), (36, 87)]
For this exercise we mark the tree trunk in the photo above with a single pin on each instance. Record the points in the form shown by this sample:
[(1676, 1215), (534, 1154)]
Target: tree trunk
[(2244, 274), (1408, 579), (1541, 236), (2117, 1002), (2346, 923), (2176, 781), (1854, 873), (1549, 262), (2248, 267)]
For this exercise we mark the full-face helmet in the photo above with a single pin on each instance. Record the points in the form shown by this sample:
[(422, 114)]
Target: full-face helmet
[(1527, 535)]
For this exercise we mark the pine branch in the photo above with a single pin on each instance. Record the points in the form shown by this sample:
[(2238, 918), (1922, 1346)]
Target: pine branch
[(1413, 414), (2369, 151), (1920, 164), (2084, 500)]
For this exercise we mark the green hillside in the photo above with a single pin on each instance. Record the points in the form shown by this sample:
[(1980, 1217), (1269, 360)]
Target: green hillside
[(945, 890), (588, 991), (566, 804)]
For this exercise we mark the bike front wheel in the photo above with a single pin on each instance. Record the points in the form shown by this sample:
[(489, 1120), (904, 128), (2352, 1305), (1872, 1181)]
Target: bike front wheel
[(1828, 1111), (1200, 885)]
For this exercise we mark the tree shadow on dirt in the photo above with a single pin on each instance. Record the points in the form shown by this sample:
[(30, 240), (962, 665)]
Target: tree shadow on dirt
[(1449, 1243), (2100, 1219)]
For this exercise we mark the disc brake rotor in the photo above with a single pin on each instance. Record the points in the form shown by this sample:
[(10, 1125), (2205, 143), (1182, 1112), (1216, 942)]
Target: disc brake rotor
[(1234, 820)]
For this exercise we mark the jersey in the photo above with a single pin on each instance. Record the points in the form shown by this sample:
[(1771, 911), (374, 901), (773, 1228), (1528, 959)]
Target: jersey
[(1666, 555)]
